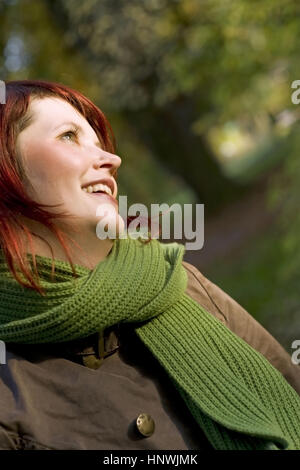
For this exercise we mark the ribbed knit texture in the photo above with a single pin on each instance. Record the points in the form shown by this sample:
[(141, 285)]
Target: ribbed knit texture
[(237, 397)]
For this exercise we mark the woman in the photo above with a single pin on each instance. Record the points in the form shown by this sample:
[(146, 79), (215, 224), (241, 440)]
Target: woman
[(123, 345)]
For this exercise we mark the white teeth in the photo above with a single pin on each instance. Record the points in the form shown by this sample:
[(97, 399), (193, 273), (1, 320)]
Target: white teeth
[(98, 187)]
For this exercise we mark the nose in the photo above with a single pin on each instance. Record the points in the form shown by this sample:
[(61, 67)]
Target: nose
[(108, 160)]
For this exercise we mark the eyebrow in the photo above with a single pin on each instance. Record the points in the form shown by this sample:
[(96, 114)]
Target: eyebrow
[(72, 123)]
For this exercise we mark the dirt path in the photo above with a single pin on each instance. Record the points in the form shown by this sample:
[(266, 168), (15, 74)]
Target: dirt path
[(230, 230)]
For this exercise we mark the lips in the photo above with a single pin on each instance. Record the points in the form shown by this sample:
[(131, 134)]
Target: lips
[(104, 195), (108, 181)]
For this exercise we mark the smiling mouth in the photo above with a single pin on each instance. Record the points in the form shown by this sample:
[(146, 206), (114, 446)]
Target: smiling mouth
[(104, 195)]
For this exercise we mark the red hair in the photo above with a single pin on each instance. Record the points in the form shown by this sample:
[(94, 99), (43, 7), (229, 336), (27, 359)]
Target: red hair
[(15, 117)]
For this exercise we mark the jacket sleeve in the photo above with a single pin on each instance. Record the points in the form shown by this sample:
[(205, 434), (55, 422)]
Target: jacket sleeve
[(238, 320), (10, 440), (7, 440)]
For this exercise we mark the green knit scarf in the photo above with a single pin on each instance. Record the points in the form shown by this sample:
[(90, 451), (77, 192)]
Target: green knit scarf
[(236, 396)]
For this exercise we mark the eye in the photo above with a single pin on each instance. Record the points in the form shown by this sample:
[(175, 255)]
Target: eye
[(69, 133)]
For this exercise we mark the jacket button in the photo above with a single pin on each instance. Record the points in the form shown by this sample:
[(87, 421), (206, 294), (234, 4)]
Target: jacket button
[(145, 424)]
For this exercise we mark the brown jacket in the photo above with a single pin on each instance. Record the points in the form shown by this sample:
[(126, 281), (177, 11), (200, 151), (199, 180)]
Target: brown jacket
[(87, 394)]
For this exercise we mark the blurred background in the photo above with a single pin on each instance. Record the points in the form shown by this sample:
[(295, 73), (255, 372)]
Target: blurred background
[(198, 94)]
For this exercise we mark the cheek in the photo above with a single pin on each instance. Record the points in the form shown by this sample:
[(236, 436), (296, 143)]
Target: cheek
[(48, 165)]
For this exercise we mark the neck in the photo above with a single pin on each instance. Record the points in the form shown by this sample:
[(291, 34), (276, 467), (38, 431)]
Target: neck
[(86, 250)]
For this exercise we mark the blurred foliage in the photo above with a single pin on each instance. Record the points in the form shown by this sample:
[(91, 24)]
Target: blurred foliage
[(31, 46), (141, 177), (234, 55), (174, 69), (264, 276)]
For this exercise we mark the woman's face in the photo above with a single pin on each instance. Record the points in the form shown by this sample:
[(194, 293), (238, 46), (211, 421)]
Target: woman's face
[(58, 162)]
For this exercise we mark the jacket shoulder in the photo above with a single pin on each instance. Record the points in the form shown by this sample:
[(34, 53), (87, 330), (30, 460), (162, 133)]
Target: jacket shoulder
[(198, 287), (240, 322)]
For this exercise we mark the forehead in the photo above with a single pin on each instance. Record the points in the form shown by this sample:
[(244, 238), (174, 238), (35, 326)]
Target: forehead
[(42, 107), (56, 111)]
